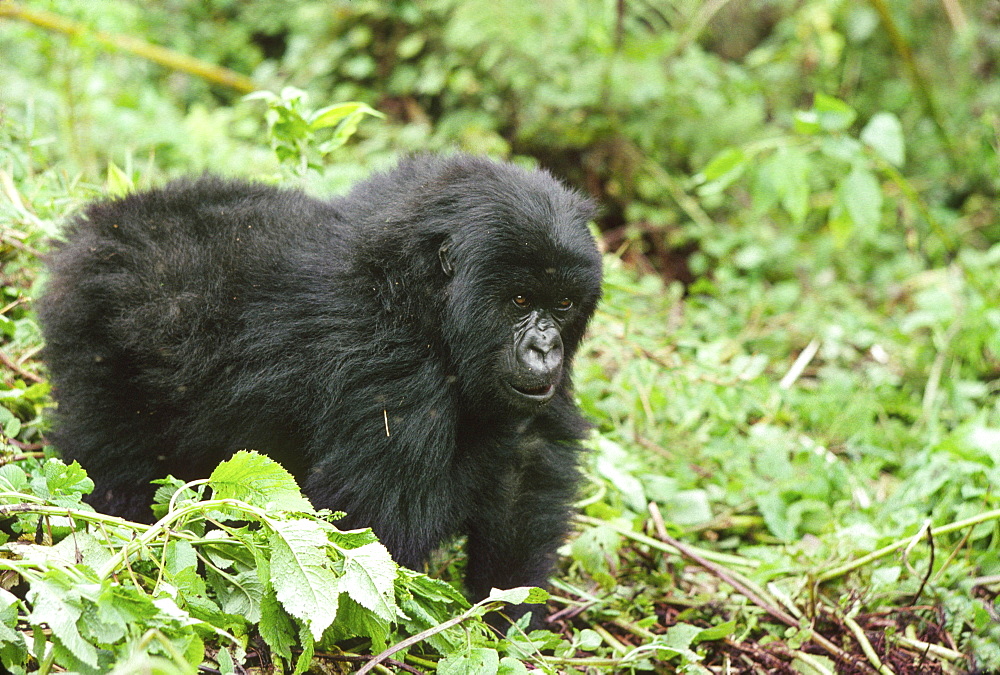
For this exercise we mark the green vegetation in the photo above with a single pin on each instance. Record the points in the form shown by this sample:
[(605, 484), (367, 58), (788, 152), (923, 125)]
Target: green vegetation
[(793, 375)]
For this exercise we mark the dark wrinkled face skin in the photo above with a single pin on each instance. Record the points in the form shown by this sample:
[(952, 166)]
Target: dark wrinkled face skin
[(532, 365)]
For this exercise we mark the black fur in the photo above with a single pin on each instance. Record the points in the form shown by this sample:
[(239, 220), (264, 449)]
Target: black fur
[(209, 316)]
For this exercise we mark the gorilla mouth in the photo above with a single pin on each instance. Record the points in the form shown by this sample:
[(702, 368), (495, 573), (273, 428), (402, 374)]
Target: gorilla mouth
[(542, 393)]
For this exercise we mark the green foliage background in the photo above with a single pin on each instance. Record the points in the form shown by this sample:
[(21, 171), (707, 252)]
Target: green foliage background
[(796, 362)]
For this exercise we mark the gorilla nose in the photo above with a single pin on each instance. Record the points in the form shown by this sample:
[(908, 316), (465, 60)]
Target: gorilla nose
[(542, 352)]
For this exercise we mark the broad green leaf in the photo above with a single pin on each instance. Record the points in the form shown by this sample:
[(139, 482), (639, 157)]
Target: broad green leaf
[(823, 665), (789, 171), (308, 648), (353, 620), (259, 481), (681, 636), (689, 507), (774, 510), (301, 574), (832, 113), (521, 594), (717, 632), (590, 640), (861, 195), (59, 609), (13, 648), (806, 122), (63, 485), (729, 163), (884, 133), (594, 547), (12, 479), (369, 578), (476, 661), (511, 666)]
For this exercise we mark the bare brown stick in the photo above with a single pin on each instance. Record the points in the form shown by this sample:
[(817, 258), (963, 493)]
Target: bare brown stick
[(155, 53), (21, 456), (10, 365)]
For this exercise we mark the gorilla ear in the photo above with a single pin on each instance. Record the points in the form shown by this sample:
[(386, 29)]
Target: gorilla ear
[(447, 264)]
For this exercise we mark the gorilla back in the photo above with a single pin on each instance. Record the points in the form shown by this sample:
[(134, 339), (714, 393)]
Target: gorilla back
[(405, 350)]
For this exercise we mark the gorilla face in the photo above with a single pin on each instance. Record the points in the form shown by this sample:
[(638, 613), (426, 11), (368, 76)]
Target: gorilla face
[(518, 336)]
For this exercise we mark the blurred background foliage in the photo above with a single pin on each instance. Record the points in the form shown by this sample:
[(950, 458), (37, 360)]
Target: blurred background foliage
[(800, 343)]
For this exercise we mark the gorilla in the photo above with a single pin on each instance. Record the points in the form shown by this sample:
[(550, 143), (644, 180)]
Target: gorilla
[(404, 350)]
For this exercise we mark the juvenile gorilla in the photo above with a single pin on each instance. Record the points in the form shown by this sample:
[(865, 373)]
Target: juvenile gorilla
[(404, 351)]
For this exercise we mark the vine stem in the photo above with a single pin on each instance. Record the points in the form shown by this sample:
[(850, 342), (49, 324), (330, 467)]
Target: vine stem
[(840, 570)]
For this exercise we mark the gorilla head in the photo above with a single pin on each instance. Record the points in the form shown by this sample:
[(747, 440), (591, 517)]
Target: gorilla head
[(404, 350)]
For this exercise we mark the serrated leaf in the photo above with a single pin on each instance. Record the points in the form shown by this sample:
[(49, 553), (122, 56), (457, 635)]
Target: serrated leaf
[(369, 578), (884, 133), (301, 574), (53, 606), (276, 627), (353, 620), (308, 649), (259, 481), (476, 661), (62, 484)]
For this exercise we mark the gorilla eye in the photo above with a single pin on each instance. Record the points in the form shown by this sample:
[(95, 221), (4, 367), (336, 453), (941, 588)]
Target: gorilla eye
[(522, 301), (564, 304)]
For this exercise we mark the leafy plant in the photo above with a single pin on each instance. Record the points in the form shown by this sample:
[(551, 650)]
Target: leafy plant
[(252, 568), (292, 127)]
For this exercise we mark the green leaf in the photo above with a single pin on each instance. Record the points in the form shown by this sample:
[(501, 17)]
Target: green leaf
[(789, 173), (594, 547), (861, 195), (884, 134), (13, 647), (301, 574), (681, 636), (276, 627), (13, 479), (61, 484), (728, 165), (723, 630), (259, 481), (475, 661), (369, 578), (511, 666), (118, 183), (308, 648), (334, 114), (57, 607), (832, 114), (774, 510), (519, 595)]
